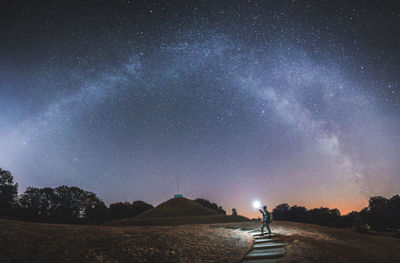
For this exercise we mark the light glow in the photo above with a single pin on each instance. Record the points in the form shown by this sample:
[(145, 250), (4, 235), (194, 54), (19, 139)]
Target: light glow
[(256, 204)]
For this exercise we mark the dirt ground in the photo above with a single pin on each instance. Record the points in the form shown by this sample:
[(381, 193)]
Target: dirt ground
[(313, 243), (174, 221), (35, 242)]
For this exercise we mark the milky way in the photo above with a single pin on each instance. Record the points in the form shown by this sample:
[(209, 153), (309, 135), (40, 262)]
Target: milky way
[(286, 102)]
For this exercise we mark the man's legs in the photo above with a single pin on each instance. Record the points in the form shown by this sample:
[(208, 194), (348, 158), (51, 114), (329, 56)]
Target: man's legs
[(262, 228), (269, 230)]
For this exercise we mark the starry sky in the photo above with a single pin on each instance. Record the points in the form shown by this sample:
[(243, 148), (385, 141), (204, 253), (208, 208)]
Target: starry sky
[(282, 101)]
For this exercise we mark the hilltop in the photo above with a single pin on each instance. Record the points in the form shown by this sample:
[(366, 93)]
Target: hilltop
[(177, 211), (178, 207)]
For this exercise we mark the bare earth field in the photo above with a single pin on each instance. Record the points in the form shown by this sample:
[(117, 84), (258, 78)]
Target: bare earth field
[(313, 243), (174, 221), (34, 242)]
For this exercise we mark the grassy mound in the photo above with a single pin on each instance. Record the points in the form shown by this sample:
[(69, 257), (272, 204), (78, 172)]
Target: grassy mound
[(175, 221), (174, 212), (177, 207)]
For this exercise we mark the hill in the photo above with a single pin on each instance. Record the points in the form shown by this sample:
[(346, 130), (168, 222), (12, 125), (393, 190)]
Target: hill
[(176, 207), (174, 212), (175, 221)]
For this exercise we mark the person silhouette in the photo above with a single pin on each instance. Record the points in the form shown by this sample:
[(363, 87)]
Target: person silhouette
[(266, 220)]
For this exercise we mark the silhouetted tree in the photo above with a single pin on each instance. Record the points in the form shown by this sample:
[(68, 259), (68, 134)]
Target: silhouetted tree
[(320, 216), (38, 205), (69, 206), (281, 212), (394, 213), (63, 204), (234, 213), (377, 208), (30, 203), (363, 215), (120, 210), (125, 209), (210, 205), (299, 214), (384, 214), (326, 217), (94, 209), (352, 219), (139, 207), (8, 194), (356, 219)]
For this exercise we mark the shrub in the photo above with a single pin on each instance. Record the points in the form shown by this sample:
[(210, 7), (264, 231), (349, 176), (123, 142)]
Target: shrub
[(362, 229)]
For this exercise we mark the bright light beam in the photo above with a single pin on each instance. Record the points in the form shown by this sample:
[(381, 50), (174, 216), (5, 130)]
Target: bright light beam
[(256, 204)]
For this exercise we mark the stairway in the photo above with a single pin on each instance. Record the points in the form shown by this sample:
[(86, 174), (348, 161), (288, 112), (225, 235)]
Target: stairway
[(265, 249)]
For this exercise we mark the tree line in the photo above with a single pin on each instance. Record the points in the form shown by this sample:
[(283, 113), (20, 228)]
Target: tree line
[(212, 206), (63, 204), (67, 205), (381, 214)]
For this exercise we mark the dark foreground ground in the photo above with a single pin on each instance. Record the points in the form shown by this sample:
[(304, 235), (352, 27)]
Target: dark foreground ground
[(174, 221), (313, 243), (32, 242)]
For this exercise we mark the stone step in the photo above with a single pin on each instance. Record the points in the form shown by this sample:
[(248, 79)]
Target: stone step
[(265, 253), (265, 250), (255, 233), (259, 234), (268, 245), (262, 260), (277, 249), (266, 240), (263, 237)]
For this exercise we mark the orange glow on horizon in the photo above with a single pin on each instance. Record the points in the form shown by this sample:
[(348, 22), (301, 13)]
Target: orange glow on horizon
[(344, 208)]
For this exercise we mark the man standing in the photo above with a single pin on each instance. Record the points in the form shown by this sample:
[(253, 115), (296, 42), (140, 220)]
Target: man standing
[(266, 220)]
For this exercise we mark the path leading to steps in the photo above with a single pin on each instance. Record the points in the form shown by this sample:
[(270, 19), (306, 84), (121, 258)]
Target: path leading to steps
[(265, 249)]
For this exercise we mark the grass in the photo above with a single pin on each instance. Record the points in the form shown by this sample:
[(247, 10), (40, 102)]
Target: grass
[(175, 221), (36, 242), (177, 207), (174, 212)]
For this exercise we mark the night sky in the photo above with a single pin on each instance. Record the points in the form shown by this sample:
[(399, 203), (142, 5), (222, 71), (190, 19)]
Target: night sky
[(282, 101)]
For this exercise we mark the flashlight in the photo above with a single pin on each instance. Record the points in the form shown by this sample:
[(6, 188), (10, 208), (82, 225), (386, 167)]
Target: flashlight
[(256, 204)]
